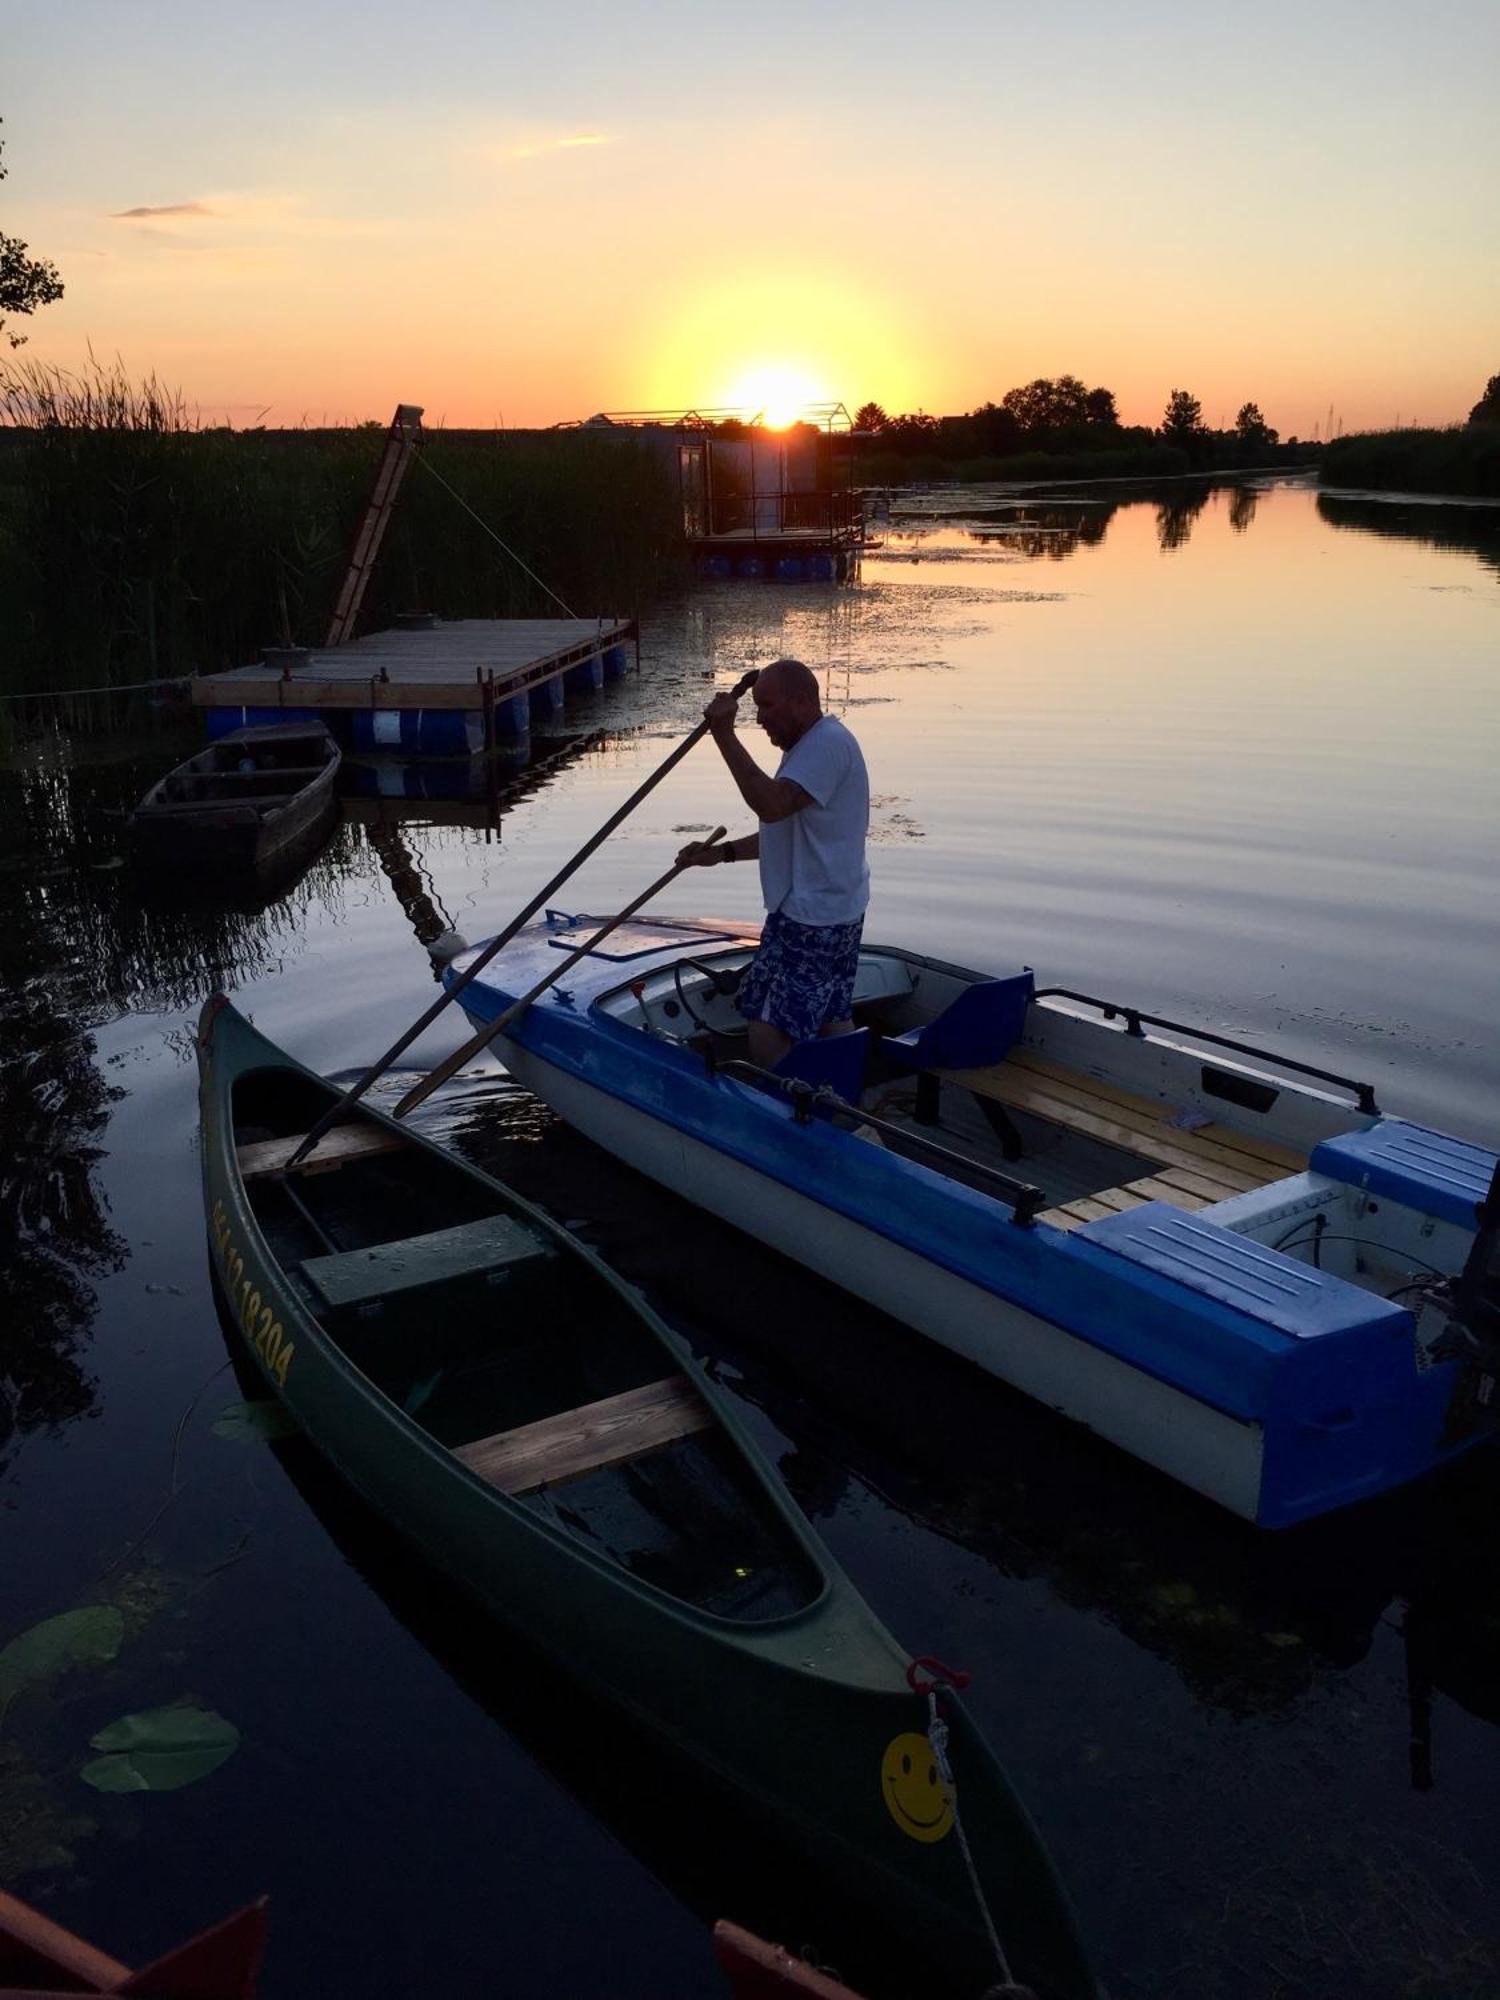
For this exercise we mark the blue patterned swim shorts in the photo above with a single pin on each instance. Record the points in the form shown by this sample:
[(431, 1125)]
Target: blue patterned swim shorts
[(802, 977)]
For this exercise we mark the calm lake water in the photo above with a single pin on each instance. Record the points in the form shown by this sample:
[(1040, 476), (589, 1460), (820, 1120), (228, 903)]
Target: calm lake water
[(1226, 753)]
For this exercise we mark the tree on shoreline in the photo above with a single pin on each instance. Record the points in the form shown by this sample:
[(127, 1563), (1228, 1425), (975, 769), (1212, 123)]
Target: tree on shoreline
[(1251, 428), (25, 282), (1182, 420), (870, 417), (1487, 409)]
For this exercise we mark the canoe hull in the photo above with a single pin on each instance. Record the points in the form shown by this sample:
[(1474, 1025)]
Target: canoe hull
[(795, 1715)]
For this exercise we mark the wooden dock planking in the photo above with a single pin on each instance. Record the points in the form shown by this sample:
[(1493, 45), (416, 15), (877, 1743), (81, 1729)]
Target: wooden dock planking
[(438, 668)]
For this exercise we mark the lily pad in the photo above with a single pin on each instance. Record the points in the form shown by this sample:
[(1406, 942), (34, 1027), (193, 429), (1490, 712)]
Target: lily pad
[(160, 1750), (89, 1636), (260, 1419)]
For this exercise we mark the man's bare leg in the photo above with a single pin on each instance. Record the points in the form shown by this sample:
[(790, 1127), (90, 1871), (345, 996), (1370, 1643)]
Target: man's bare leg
[(768, 1043), (837, 1028)]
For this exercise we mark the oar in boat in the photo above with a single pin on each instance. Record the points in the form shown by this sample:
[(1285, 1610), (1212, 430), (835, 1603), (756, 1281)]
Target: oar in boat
[(451, 1065), (357, 1089)]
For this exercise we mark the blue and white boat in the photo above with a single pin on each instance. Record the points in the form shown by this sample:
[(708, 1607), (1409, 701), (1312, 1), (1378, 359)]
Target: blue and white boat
[(1229, 1263)]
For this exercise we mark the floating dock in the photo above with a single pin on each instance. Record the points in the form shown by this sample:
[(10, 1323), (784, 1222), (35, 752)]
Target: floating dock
[(440, 687)]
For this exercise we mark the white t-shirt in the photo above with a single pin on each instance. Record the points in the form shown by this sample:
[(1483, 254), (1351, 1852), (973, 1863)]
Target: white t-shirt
[(812, 864)]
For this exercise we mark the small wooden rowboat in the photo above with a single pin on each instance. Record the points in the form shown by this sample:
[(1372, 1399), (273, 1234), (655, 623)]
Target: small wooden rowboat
[(38, 1956), (1227, 1261), (512, 1407), (259, 798)]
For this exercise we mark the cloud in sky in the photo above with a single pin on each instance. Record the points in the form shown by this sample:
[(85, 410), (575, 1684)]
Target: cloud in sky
[(557, 145), (169, 208)]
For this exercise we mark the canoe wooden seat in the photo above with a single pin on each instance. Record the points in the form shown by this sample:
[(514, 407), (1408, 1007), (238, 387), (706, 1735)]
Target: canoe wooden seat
[(1194, 1167), (340, 1144), (384, 1271), (588, 1438)]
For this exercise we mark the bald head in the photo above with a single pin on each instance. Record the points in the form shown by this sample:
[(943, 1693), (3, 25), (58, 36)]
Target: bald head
[(786, 701), (792, 678)]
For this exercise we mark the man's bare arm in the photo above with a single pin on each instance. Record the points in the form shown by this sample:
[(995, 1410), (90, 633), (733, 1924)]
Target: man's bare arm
[(769, 798), (698, 853)]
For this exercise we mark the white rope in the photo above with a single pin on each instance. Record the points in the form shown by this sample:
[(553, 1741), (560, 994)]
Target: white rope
[(423, 460), (110, 687), (937, 1736)]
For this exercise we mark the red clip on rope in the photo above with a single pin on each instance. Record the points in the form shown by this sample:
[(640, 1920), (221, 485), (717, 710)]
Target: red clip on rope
[(942, 1676)]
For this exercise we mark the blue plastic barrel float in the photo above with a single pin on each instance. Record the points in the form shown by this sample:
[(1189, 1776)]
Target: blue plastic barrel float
[(587, 677), (547, 698), (791, 569), (616, 663), (750, 567), (821, 567), (430, 732), (716, 568)]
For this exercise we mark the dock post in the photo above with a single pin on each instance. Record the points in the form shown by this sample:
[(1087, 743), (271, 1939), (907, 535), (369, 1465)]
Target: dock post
[(487, 706)]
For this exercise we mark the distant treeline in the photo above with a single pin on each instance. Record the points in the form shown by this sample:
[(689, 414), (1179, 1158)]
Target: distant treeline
[(135, 543), (1461, 458), (1056, 427)]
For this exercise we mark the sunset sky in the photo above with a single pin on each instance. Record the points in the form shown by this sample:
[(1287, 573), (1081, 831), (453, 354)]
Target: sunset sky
[(528, 213)]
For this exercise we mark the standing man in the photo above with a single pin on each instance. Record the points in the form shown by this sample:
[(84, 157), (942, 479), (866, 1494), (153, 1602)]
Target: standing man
[(814, 815)]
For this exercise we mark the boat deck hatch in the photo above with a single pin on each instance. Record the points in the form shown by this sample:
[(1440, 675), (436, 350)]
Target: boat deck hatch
[(385, 1270), (639, 940)]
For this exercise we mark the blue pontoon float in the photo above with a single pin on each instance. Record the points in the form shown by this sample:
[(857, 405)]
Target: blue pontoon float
[(1229, 1263)]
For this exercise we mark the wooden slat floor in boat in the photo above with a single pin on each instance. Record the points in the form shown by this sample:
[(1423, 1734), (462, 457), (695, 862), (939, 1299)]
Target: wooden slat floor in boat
[(586, 1439), (1070, 1166), (1167, 1186), (1212, 1161), (1286, 1159), (339, 1144)]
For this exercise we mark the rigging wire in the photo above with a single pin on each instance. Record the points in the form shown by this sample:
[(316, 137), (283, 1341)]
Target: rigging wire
[(427, 465)]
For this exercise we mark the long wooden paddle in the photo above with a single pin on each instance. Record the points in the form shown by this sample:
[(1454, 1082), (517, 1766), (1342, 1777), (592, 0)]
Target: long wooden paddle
[(356, 1090), (451, 1065)]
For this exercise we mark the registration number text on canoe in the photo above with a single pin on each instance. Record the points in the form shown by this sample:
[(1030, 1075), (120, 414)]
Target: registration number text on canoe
[(261, 1328)]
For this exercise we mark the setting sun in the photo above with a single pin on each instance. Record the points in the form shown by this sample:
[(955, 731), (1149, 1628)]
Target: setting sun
[(778, 394)]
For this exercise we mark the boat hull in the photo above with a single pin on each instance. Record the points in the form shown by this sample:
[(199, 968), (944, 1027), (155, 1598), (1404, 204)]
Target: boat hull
[(1203, 1448), (795, 1715), (1275, 1389), (255, 835)]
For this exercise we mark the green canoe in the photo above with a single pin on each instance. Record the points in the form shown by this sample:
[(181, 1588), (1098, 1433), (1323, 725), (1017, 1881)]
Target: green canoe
[(515, 1411)]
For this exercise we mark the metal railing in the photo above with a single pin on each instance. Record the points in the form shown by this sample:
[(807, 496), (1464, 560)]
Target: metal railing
[(1133, 1018), (808, 1099)]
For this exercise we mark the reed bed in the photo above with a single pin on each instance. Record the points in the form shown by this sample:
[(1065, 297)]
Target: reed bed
[(1463, 459), (137, 542)]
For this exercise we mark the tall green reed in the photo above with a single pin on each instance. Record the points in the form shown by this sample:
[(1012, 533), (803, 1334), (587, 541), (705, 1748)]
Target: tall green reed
[(137, 542)]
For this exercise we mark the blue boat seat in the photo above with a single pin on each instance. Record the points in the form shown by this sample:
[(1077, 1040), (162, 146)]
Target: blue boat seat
[(836, 1060), (978, 1028), (1424, 1170), (1276, 1290)]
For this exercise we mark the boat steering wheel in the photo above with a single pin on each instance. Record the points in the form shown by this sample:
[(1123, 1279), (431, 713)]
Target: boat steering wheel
[(682, 1000)]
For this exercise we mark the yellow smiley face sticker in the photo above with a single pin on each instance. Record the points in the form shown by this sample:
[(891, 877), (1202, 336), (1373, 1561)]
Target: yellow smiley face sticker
[(912, 1789)]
